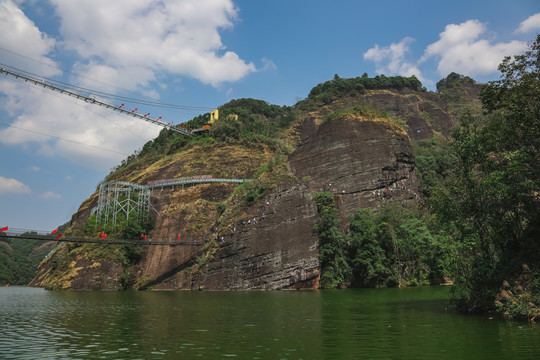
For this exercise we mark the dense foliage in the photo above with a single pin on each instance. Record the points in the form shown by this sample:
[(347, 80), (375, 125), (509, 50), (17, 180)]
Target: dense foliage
[(490, 202), (433, 162), (19, 259), (394, 246), (453, 80), (139, 222), (460, 94), (252, 121), (331, 90), (335, 269)]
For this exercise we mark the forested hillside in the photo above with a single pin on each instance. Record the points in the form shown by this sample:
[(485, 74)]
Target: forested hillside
[(368, 182), (19, 260), (487, 201)]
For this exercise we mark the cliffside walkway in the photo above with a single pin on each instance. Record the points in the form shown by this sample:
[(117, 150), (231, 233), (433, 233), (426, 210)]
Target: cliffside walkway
[(129, 199), (192, 181), (42, 236), (159, 184)]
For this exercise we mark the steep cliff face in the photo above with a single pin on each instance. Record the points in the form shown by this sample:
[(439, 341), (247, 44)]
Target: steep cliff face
[(278, 251), (363, 161), (358, 159)]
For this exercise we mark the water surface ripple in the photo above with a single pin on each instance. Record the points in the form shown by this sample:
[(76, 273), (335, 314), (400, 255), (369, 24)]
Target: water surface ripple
[(410, 323)]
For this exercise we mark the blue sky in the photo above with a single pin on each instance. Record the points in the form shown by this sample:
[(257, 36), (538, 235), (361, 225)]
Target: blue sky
[(203, 53)]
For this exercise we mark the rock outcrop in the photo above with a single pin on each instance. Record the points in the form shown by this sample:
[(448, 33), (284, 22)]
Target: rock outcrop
[(277, 252), (364, 162)]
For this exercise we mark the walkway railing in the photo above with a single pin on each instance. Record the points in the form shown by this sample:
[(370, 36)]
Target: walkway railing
[(46, 236)]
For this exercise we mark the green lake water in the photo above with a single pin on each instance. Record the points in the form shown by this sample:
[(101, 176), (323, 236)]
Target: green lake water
[(410, 323)]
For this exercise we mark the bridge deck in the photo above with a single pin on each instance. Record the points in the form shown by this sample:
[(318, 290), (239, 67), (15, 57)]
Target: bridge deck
[(103, 241)]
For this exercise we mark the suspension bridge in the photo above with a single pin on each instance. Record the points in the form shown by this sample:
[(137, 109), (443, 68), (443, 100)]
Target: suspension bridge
[(27, 234), (119, 197), (91, 99), (115, 198)]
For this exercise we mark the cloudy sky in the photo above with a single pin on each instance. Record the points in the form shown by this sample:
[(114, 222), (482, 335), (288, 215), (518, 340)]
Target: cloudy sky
[(202, 53)]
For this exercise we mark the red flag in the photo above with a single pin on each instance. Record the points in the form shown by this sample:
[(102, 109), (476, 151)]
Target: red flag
[(144, 237), (141, 236), (121, 106), (104, 236), (178, 237), (100, 234), (54, 231), (134, 110), (146, 115), (58, 236), (4, 229)]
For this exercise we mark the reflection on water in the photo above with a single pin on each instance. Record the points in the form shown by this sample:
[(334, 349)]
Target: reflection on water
[(343, 324)]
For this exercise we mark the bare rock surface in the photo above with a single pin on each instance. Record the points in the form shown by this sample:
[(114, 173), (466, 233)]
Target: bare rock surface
[(361, 162)]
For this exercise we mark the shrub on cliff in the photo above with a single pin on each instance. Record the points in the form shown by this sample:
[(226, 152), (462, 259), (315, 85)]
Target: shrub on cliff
[(252, 121), (361, 113), (331, 90)]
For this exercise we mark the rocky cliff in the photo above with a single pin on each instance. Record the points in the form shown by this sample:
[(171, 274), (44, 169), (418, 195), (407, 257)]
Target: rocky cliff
[(269, 244), (362, 161)]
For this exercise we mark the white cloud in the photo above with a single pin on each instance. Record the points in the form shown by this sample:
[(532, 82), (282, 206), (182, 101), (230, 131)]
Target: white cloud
[(123, 42), (133, 40), (12, 186), (390, 60), (460, 49), (21, 36), (34, 168), (530, 24), (69, 123), (50, 195)]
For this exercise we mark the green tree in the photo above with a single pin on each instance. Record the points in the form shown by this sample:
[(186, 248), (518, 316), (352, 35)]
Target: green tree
[(369, 260), (491, 199), (335, 271)]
